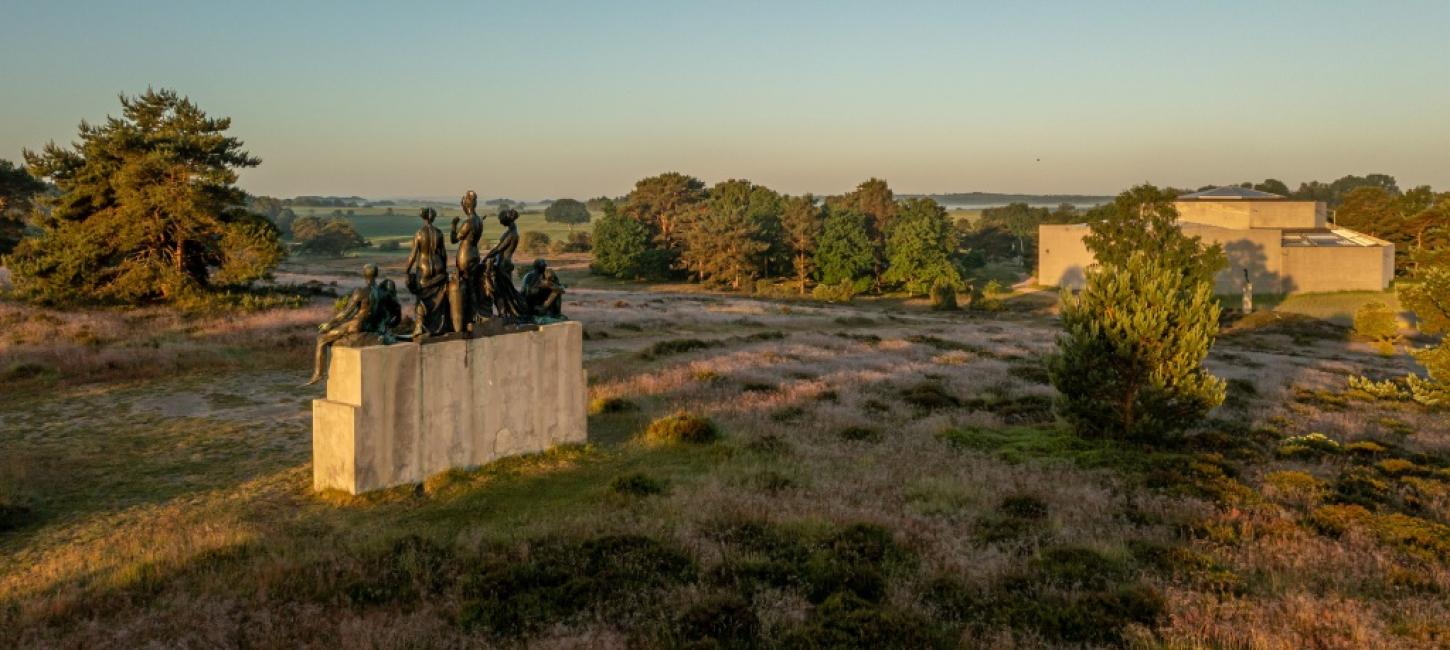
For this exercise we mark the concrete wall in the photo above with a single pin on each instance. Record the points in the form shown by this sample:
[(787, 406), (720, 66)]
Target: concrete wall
[(1257, 251), (1241, 214), (1063, 259), (400, 413), (1339, 268)]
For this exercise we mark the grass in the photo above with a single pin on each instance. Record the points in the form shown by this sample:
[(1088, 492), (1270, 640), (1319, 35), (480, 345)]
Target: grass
[(376, 225), (1336, 307), (887, 478)]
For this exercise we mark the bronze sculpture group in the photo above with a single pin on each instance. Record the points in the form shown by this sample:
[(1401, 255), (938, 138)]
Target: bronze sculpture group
[(478, 297)]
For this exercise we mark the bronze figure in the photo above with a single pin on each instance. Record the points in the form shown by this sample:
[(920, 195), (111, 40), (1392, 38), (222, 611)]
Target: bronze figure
[(356, 317), (498, 269), (427, 270), (543, 293), (468, 300)]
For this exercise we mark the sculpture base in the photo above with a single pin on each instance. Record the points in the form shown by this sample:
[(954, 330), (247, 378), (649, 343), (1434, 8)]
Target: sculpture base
[(397, 414)]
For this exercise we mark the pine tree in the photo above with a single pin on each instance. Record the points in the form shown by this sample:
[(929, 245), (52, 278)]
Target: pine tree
[(919, 248), (1129, 362), (148, 208), (1429, 298), (17, 191), (1144, 219), (844, 254), (801, 221)]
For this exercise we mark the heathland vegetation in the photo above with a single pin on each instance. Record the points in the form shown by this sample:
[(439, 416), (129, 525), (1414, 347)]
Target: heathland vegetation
[(1124, 466)]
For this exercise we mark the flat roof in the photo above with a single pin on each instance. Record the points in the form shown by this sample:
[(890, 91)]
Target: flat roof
[(1328, 238), (1230, 192)]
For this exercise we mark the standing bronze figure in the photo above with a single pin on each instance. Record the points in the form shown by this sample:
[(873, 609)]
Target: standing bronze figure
[(498, 270), (468, 300), (427, 270)]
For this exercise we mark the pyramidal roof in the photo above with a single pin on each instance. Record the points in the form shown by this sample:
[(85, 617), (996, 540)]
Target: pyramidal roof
[(1229, 192)]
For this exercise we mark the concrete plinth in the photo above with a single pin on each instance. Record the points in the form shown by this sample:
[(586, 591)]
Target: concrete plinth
[(400, 413)]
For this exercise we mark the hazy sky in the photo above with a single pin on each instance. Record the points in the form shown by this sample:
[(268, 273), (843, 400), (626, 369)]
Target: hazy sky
[(549, 99)]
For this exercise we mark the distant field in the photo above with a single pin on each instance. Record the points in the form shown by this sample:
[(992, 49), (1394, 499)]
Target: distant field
[(970, 214), (378, 226)]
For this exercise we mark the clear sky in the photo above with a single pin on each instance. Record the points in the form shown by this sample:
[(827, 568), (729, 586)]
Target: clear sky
[(549, 99)]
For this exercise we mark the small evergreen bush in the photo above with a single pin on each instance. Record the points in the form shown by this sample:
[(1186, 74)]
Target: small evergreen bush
[(682, 427)]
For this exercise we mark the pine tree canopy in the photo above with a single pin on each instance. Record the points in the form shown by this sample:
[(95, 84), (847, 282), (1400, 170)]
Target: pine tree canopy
[(1144, 219), (1129, 359), (147, 209)]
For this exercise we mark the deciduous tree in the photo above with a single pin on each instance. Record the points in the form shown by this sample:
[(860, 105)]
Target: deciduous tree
[(920, 246), (567, 211), (845, 252)]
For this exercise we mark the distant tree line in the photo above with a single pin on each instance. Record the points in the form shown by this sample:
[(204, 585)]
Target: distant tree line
[(737, 232)]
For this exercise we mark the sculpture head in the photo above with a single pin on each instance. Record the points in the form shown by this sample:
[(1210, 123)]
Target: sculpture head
[(470, 202), (540, 265), (428, 214), (508, 216), (370, 272)]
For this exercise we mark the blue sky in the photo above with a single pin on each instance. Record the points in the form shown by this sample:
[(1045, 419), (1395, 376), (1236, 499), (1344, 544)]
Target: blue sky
[(549, 99)]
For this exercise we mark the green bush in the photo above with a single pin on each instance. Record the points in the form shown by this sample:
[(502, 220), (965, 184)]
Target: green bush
[(943, 295), (1376, 322), (15, 516), (929, 396), (719, 621), (682, 427), (843, 291), (611, 405), (535, 242), (636, 484), (859, 434)]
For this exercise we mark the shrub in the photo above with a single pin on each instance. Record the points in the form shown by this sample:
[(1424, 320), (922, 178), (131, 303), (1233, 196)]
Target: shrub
[(848, 621), (611, 405), (682, 427), (14, 516), (636, 484), (535, 242), (1376, 322), (943, 296), (1296, 486), (1388, 389), (1023, 506), (1308, 446), (412, 567), (562, 578), (675, 346), (1129, 360), (719, 621), (769, 444), (929, 396), (859, 434), (843, 291)]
